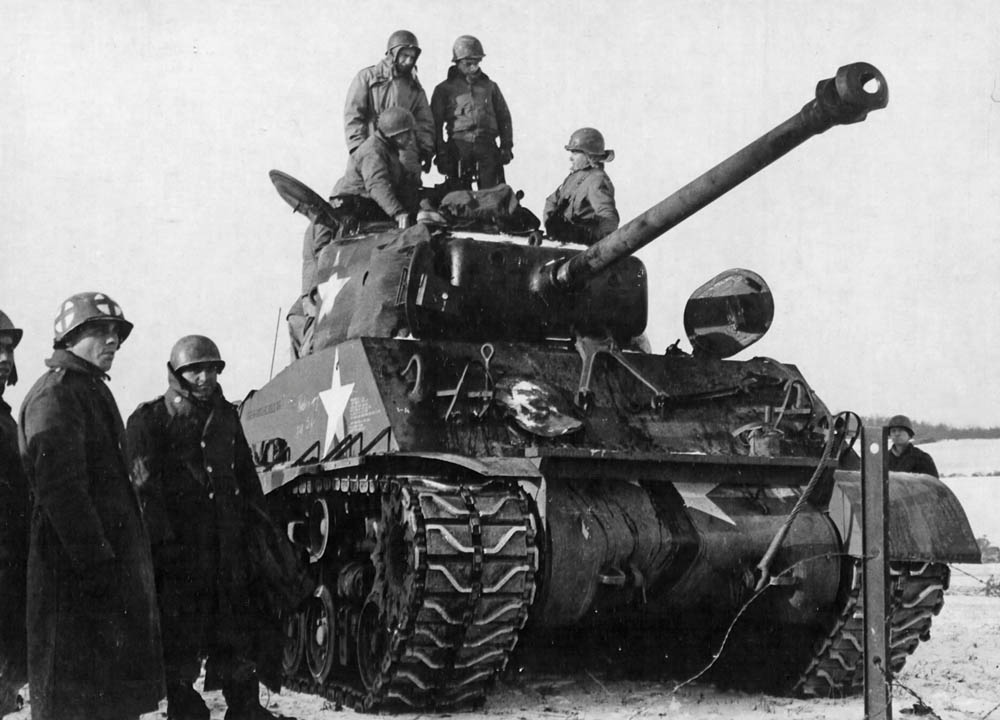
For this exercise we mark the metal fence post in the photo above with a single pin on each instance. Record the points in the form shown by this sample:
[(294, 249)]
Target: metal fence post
[(875, 548)]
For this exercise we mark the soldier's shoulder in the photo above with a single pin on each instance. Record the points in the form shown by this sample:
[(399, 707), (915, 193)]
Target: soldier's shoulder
[(148, 409)]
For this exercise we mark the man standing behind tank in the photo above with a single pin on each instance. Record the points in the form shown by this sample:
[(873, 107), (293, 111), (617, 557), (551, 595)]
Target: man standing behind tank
[(13, 534), (582, 209), (93, 628), (193, 471), (392, 83), (903, 455), (473, 110), (375, 185)]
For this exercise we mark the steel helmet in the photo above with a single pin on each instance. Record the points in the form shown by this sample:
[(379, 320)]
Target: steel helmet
[(402, 39), (195, 350), (88, 307), (590, 141), (395, 120), (467, 46), (7, 329), (901, 421)]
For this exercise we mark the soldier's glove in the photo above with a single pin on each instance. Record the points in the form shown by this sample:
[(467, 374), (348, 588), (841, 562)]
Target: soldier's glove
[(506, 155), (403, 221)]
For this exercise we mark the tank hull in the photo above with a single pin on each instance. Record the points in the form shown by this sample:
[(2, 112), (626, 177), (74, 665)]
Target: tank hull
[(439, 527)]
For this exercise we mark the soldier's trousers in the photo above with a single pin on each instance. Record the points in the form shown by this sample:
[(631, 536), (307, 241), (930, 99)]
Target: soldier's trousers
[(188, 638), (479, 156)]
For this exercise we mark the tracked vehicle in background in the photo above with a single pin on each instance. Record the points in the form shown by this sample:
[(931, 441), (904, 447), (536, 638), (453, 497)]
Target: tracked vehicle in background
[(472, 452)]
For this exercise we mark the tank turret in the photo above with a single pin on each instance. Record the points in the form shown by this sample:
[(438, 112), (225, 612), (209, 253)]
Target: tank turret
[(472, 461), (429, 283)]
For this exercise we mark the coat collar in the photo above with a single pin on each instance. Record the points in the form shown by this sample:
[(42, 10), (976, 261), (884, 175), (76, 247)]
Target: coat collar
[(65, 360), (179, 393), (480, 78), (386, 70)]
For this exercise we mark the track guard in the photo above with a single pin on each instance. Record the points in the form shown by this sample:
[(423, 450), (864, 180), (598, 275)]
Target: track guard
[(926, 521)]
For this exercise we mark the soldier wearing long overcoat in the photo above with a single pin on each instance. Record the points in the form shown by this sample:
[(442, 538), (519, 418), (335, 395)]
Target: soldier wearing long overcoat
[(194, 473), (93, 628), (14, 507)]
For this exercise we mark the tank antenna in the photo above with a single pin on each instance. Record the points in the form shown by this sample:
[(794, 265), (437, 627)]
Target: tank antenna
[(274, 347)]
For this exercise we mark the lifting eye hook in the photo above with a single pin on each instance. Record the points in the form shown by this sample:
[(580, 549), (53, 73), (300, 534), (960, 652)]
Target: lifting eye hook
[(417, 392)]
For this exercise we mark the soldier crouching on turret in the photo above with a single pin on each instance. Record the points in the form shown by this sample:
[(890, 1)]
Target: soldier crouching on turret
[(473, 110), (195, 477), (582, 209), (375, 185)]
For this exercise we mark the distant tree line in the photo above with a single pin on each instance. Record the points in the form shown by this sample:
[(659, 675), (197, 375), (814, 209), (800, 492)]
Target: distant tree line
[(929, 432)]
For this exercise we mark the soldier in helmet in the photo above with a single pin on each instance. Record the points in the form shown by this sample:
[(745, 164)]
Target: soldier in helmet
[(582, 209), (14, 507), (93, 626), (194, 474), (392, 83), (473, 110), (375, 185), (903, 455)]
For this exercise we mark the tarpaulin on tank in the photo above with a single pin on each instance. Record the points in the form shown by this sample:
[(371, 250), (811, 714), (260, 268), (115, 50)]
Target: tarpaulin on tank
[(926, 521), (358, 283)]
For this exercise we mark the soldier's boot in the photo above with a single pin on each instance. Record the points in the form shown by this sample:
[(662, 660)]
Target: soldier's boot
[(243, 700), (184, 703)]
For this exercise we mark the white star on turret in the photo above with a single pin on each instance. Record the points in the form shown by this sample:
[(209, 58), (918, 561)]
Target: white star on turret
[(328, 292), (695, 497), (335, 403)]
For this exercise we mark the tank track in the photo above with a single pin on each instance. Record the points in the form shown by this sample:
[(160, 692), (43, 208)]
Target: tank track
[(454, 577), (916, 592)]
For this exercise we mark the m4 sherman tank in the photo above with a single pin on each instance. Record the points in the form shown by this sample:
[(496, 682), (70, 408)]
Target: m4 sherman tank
[(472, 451)]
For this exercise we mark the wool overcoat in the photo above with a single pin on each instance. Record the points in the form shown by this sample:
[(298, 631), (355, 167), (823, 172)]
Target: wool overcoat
[(93, 627), (13, 563), (193, 471)]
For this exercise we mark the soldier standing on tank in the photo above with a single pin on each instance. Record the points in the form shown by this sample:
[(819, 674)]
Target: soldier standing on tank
[(473, 110), (392, 83), (375, 185), (14, 508), (903, 455), (194, 473), (582, 209), (93, 628)]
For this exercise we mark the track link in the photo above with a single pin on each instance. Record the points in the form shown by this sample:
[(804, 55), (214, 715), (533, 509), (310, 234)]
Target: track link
[(916, 596), (455, 568)]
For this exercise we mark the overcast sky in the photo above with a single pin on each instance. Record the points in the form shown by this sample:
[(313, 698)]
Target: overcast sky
[(137, 137)]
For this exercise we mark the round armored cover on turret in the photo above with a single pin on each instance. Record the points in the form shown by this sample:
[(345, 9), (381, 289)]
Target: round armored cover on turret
[(303, 199), (729, 313)]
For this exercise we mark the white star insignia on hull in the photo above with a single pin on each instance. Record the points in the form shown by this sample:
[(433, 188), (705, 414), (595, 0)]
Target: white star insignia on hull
[(335, 402), (328, 292), (695, 496)]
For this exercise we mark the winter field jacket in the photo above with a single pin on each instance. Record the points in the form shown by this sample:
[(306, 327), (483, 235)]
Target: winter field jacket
[(586, 198), (472, 110), (375, 172), (378, 87)]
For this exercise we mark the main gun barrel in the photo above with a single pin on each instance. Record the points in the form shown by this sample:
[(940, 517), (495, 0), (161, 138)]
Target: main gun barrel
[(856, 90)]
